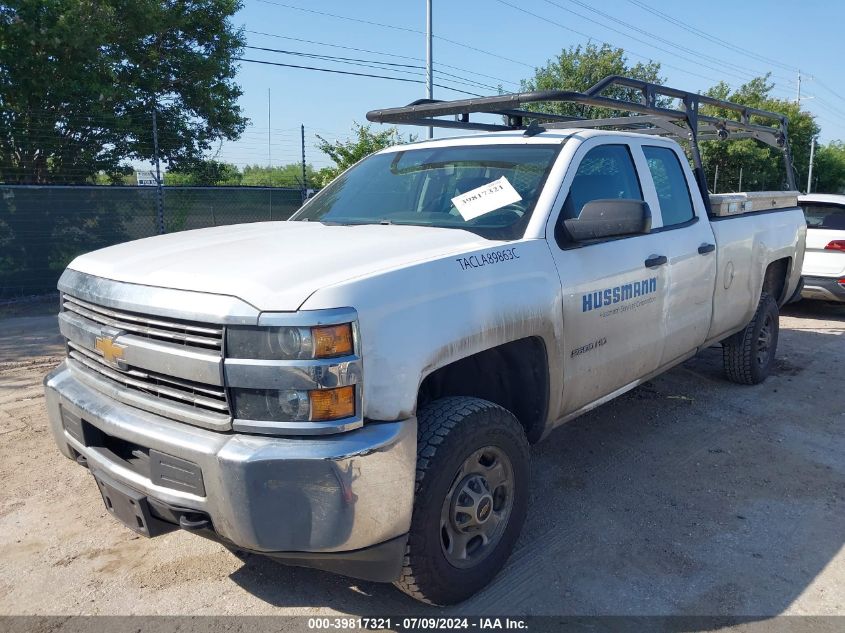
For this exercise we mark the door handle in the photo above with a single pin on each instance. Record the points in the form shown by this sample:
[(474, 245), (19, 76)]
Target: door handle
[(706, 248), (655, 260)]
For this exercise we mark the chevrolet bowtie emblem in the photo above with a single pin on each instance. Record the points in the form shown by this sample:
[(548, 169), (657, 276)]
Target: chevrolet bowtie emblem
[(110, 350)]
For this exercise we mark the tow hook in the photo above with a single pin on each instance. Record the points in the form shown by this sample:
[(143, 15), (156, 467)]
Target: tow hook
[(194, 521)]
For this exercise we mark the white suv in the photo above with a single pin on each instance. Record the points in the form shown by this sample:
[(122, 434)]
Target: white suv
[(824, 261)]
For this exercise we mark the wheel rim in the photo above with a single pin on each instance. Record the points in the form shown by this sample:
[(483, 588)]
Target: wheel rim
[(476, 509), (764, 340)]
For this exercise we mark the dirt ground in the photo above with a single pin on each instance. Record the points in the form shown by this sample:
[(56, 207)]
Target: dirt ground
[(688, 496)]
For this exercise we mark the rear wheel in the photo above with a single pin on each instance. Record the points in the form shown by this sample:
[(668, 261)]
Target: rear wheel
[(749, 355), (470, 501)]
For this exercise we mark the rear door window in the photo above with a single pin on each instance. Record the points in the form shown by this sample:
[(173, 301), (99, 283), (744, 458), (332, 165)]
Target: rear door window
[(671, 185), (821, 215)]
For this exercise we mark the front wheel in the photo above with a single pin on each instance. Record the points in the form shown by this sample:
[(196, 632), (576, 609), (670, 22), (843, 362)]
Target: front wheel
[(470, 501), (749, 355)]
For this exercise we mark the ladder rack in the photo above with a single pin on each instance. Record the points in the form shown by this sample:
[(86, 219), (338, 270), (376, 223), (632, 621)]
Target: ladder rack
[(650, 117)]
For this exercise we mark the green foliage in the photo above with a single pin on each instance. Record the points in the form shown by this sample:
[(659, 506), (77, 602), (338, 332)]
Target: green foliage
[(79, 80), (762, 165), (285, 176), (207, 172), (123, 175), (828, 169), (346, 153), (578, 68), (214, 173)]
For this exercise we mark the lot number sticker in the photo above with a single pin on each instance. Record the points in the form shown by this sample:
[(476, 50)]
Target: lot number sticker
[(486, 198)]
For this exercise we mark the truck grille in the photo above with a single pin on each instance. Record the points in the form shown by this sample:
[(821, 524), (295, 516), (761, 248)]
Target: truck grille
[(162, 329), (194, 336)]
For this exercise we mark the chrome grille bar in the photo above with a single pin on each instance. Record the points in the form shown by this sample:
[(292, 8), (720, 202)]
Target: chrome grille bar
[(198, 395), (155, 328)]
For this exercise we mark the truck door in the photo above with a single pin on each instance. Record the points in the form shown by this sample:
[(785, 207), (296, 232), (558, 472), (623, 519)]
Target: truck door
[(613, 289), (689, 245)]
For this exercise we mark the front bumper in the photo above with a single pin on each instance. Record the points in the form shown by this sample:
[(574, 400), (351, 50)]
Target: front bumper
[(307, 500), (824, 288)]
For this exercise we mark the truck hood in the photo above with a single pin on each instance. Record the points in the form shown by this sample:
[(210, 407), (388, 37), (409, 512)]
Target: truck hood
[(272, 265)]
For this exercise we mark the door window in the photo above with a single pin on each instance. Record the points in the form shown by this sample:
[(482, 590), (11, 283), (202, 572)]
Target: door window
[(606, 172), (671, 185)]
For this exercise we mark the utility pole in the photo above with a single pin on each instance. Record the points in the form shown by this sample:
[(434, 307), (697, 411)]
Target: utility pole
[(159, 189), (269, 158), (740, 179), (716, 178), (810, 173), (304, 176), (429, 75), (798, 97)]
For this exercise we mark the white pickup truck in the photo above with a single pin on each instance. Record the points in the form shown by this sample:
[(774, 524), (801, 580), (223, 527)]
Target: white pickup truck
[(356, 389)]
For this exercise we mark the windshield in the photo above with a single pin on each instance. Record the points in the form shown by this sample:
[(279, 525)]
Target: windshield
[(820, 215), (488, 189)]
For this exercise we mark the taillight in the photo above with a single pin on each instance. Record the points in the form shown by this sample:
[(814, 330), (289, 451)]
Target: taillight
[(841, 282), (835, 245)]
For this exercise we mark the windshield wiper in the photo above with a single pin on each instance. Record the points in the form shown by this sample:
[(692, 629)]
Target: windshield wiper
[(384, 221)]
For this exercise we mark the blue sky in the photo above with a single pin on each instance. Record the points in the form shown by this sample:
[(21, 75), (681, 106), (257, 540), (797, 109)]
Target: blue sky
[(500, 42)]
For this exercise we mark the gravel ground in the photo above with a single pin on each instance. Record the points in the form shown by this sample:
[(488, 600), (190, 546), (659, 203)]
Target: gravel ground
[(687, 496)]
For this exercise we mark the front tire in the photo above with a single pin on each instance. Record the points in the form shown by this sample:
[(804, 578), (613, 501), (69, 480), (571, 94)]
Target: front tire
[(470, 501), (749, 355)]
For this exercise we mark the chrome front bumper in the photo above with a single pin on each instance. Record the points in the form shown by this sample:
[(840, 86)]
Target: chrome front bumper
[(316, 494)]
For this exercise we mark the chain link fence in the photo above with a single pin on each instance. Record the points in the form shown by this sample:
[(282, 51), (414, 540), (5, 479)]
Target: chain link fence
[(43, 227)]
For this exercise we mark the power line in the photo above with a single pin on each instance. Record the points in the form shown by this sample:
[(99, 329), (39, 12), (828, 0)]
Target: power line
[(369, 63), (387, 54), (591, 37), (744, 69), (336, 60), (348, 72), (636, 39), (708, 36), (331, 57), (831, 108), (828, 88), (396, 28)]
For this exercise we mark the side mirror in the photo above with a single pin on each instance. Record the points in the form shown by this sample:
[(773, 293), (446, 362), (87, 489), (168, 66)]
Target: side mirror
[(609, 218)]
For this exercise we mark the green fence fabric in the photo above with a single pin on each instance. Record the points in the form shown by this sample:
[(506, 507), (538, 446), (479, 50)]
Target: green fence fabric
[(43, 227)]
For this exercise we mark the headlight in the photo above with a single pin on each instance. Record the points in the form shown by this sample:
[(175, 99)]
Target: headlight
[(317, 405), (289, 343)]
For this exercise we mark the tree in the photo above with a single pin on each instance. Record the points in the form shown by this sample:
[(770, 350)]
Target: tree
[(208, 172), (346, 153), (828, 169), (762, 165), (578, 68), (80, 79)]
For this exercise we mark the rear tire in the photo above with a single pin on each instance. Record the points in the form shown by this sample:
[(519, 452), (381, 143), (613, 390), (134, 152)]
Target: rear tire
[(470, 501), (749, 355)]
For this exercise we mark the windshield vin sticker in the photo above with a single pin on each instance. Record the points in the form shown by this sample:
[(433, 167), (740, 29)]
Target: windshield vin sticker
[(495, 195)]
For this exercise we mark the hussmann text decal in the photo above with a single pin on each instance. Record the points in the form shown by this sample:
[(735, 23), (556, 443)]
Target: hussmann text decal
[(617, 294)]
